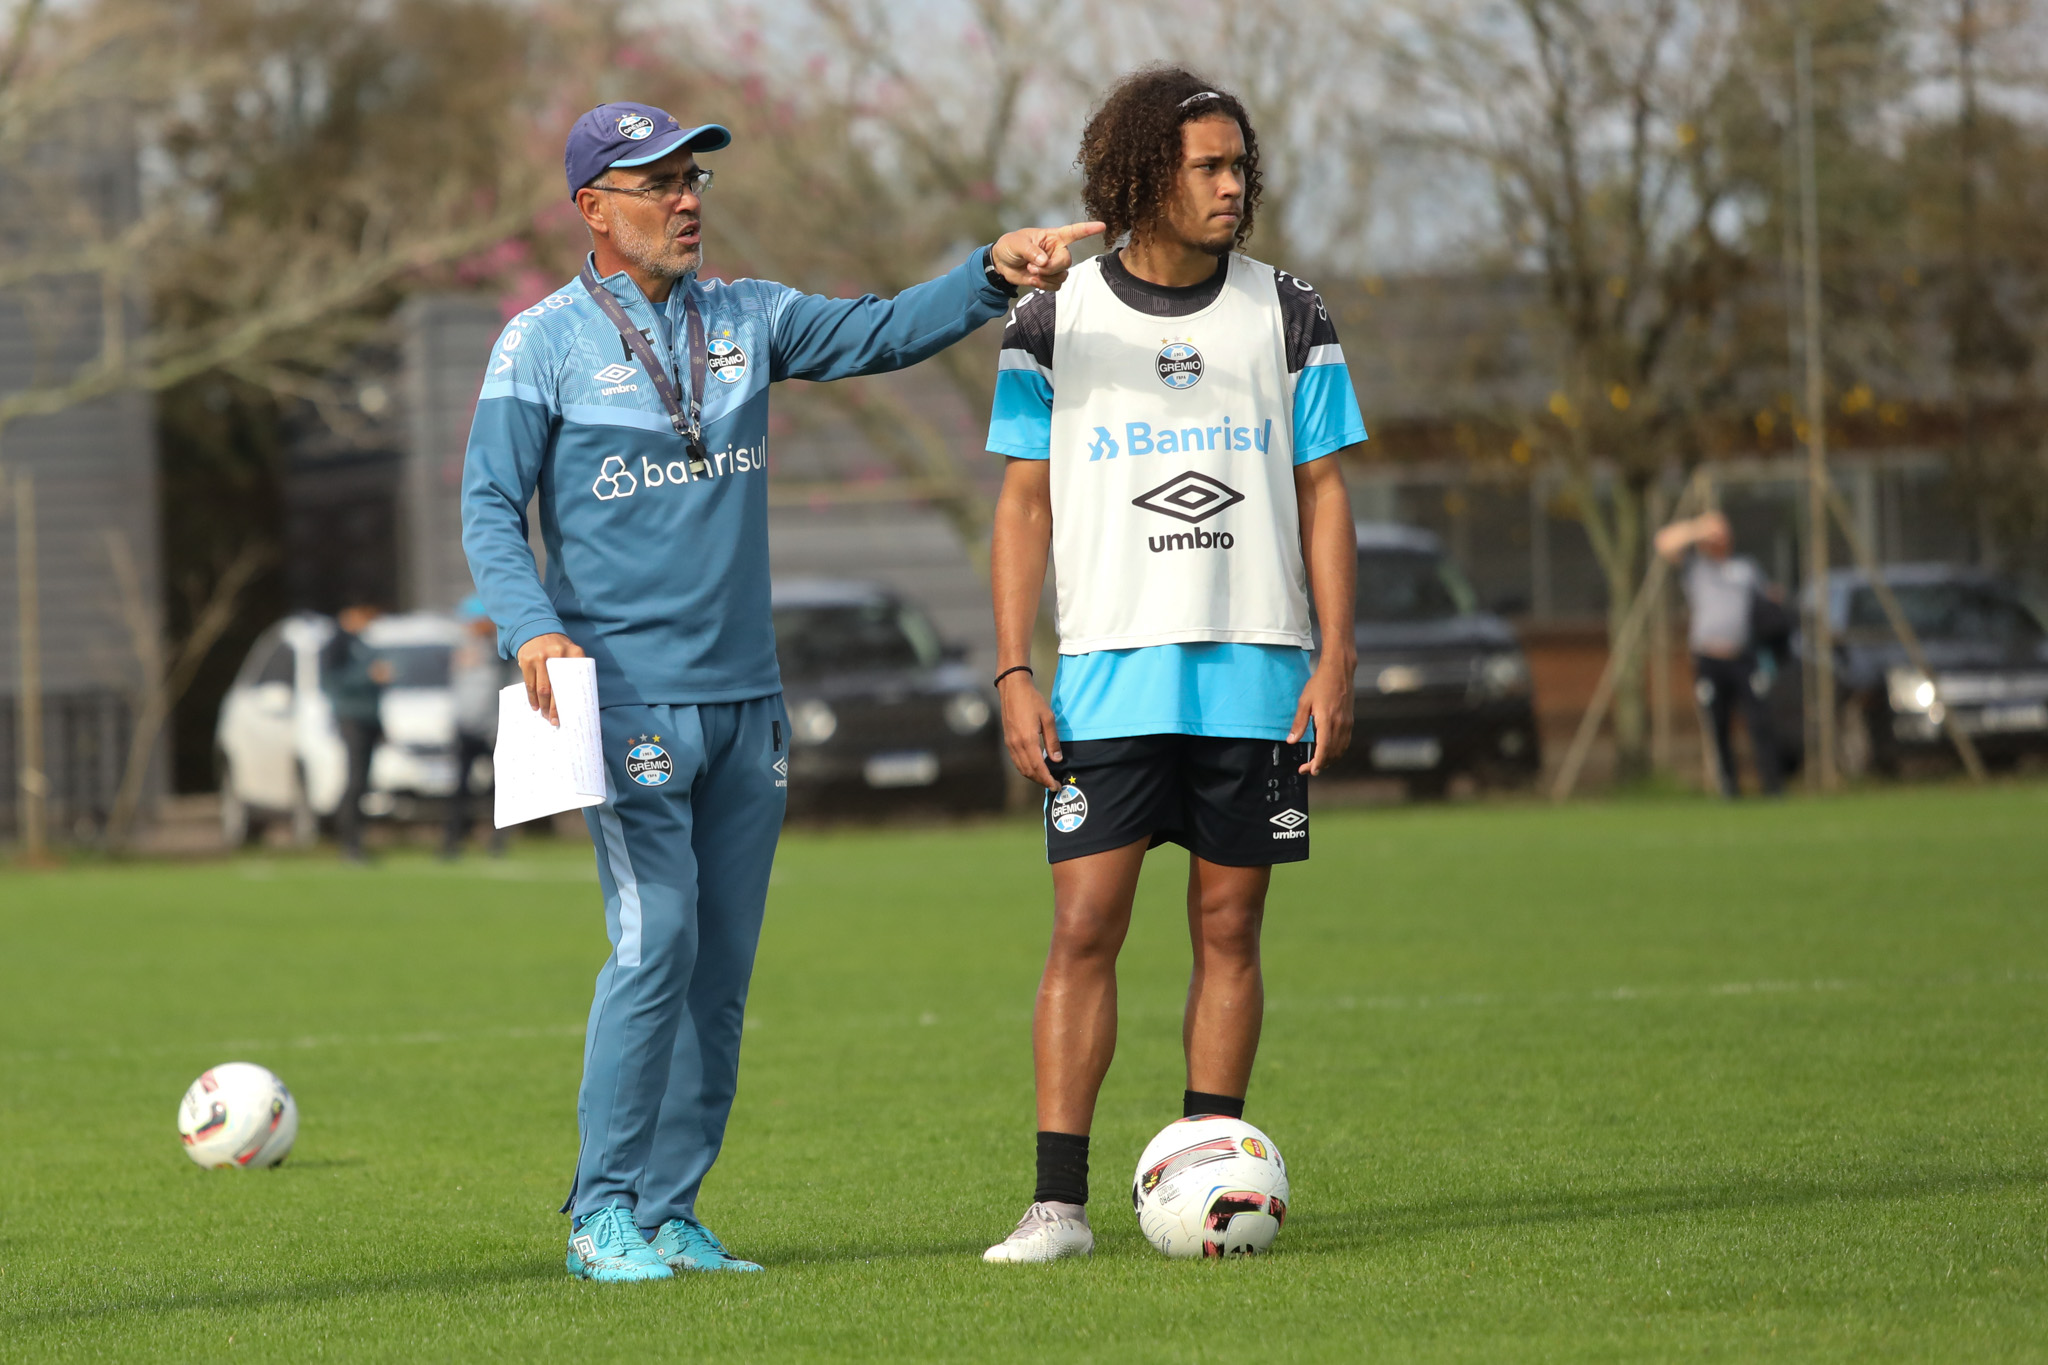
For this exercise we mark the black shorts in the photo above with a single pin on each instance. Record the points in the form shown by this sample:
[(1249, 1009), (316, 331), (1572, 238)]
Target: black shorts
[(1238, 802)]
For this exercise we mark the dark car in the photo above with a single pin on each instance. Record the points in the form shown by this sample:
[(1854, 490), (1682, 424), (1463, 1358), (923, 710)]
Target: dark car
[(882, 713), (1986, 646), (1443, 687)]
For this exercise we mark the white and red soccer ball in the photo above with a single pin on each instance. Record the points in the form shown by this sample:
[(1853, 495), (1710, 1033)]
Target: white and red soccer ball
[(1210, 1186), (238, 1115)]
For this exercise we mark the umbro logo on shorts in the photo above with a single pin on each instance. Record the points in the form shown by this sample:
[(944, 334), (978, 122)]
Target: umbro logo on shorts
[(1290, 822)]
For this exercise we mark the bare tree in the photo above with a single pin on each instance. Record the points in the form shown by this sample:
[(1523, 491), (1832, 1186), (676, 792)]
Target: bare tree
[(1596, 128), (1976, 170), (883, 138), (162, 681), (296, 177), (237, 291)]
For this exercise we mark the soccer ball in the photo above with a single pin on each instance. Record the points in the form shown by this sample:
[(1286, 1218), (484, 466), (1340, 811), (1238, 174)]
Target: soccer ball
[(238, 1115), (1210, 1186)]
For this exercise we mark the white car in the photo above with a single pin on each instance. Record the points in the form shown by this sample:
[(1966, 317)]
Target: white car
[(280, 754)]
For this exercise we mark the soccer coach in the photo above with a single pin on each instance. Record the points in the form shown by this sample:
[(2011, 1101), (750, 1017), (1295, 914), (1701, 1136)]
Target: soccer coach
[(634, 402)]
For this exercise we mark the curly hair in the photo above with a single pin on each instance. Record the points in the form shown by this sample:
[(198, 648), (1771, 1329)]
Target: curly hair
[(1131, 149)]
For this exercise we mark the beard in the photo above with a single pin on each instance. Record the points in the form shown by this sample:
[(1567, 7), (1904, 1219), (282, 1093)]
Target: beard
[(660, 256)]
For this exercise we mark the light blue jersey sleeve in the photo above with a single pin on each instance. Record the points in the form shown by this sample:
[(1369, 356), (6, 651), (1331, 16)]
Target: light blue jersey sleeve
[(1020, 419), (516, 413), (1020, 423), (1326, 415)]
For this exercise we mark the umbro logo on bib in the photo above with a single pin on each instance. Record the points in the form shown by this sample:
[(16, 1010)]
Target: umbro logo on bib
[(1189, 497)]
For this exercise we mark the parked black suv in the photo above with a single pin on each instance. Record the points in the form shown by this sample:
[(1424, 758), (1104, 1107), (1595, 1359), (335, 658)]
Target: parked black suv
[(882, 713), (1443, 687), (1986, 646)]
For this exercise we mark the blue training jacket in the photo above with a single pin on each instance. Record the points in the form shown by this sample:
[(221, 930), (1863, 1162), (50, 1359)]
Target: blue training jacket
[(662, 577)]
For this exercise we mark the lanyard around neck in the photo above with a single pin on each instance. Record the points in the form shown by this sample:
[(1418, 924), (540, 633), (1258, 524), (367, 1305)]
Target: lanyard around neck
[(690, 427)]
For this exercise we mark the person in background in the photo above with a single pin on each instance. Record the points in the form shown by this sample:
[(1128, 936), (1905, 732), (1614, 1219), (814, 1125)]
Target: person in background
[(1721, 591), (475, 675), (354, 679)]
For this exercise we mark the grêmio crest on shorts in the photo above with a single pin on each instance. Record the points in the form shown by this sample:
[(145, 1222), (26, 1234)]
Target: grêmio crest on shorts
[(1174, 516)]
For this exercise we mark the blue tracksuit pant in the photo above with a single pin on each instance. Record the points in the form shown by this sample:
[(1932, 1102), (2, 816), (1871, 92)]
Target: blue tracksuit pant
[(683, 851)]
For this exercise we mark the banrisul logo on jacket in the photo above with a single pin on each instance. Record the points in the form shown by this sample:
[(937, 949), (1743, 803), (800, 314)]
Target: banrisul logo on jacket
[(726, 361)]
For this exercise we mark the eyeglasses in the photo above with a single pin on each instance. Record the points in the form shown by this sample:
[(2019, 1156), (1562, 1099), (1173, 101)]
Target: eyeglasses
[(667, 188)]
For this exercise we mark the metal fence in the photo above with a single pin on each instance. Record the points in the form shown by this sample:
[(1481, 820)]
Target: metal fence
[(85, 745), (1528, 556)]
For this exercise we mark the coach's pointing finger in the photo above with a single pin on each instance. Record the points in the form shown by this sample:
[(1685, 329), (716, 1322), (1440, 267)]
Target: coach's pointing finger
[(1038, 258)]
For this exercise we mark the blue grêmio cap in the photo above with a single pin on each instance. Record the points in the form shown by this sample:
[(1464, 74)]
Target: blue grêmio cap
[(628, 134)]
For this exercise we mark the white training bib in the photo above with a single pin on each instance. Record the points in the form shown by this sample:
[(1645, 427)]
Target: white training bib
[(1173, 511)]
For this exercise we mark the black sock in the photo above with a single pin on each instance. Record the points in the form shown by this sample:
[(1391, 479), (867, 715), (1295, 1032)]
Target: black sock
[(1062, 1168), (1193, 1102)]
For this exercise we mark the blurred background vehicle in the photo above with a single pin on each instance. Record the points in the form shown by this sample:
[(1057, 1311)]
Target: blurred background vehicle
[(882, 712), (1442, 686), (1985, 644), (279, 754)]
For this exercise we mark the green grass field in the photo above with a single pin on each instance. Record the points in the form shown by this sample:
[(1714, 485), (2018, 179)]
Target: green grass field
[(1610, 1082)]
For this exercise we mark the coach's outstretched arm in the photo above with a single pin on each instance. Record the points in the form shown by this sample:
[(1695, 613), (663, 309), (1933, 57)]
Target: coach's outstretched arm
[(819, 338)]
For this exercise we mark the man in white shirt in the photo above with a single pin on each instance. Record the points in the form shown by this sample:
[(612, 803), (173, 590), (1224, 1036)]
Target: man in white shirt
[(1720, 593)]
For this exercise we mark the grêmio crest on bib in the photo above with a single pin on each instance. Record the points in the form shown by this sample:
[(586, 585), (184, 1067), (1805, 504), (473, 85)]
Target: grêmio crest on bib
[(1179, 365)]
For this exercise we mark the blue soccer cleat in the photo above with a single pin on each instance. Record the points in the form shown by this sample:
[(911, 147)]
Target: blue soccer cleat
[(608, 1248), (687, 1244)]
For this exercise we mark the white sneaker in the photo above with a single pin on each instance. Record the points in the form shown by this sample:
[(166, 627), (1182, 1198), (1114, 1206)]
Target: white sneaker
[(1046, 1232)]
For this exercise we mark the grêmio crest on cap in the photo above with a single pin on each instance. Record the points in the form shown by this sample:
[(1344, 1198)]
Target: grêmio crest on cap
[(636, 127)]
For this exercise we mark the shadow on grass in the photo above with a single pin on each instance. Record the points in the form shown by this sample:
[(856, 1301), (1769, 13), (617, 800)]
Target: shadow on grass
[(425, 1282), (1382, 1226), (953, 1249), (1370, 1229)]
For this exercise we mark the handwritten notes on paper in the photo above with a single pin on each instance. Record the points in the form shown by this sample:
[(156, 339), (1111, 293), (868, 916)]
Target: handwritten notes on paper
[(543, 769)]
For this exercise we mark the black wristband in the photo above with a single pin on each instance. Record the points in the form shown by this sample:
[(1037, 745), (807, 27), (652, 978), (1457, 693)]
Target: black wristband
[(1014, 668), (994, 276)]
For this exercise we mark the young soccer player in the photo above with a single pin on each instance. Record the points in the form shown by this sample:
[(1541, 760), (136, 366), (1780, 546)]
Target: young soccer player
[(1170, 419)]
